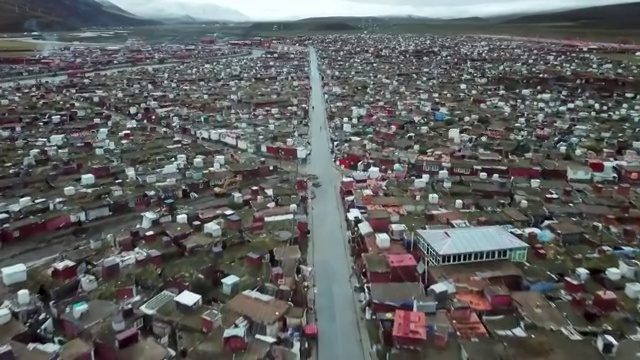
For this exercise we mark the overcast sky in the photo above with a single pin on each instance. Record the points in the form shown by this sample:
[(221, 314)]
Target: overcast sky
[(286, 9)]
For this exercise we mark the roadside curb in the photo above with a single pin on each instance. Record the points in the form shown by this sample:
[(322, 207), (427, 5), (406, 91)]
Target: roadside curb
[(362, 330)]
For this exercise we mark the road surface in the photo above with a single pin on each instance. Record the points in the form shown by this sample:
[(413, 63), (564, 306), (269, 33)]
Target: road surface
[(339, 334)]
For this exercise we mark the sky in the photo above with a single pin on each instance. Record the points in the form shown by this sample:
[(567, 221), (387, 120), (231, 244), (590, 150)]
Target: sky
[(285, 9), (295, 9)]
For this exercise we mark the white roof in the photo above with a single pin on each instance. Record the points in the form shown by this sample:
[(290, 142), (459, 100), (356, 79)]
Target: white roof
[(230, 280), (212, 226), (397, 227), (188, 298), (365, 228), (14, 268), (61, 265), (470, 240)]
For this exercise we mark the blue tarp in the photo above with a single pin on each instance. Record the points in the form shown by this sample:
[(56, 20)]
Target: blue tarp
[(542, 287), (440, 116), (627, 252), (545, 236)]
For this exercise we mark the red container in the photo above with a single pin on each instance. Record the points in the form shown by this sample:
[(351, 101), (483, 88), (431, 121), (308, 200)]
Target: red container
[(624, 190), (142, 260), (233, 222), (301, 184), (64, 270), (276, 274), (303, 226), (402, 268), (540, 253), (57, 222), (110, 269), (149, 237), (605, 300), (126, 243), (573, 286), (253, 260), (255, 227), (126, 292)]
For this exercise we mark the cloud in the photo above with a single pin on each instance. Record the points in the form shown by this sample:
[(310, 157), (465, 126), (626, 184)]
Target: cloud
[(199, 9), (280, 9), (291, 9)]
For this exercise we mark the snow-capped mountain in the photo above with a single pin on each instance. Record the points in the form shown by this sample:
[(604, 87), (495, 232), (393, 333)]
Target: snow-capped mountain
[(171, 9)]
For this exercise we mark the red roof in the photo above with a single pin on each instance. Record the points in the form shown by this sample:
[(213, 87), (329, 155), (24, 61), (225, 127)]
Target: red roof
[(401, 260), (311, 330), (410, 325)]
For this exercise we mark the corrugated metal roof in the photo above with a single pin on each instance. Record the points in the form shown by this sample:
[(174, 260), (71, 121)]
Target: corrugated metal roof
[(156, 302), (470, 240)]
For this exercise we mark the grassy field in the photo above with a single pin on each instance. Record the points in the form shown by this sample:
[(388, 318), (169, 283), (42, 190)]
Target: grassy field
[(559, 31), (624, 57), (17, 48)]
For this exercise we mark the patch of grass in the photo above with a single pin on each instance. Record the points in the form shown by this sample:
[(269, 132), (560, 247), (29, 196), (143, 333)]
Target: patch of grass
[(630, 58), (17, 47), (373, 329)]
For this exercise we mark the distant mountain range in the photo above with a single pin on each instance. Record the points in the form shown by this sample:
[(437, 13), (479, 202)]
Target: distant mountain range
[(45, 15), (180, 11), (58, 15), (623, 16), (37, 15)]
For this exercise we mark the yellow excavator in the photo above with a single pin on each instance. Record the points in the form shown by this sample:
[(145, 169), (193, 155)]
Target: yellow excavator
[(230, 182)]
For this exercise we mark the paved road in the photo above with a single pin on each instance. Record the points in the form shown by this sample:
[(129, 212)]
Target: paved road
[(339, 336)]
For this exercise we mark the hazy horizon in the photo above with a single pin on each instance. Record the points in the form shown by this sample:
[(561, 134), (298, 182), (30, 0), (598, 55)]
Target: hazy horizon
[(288, 9)]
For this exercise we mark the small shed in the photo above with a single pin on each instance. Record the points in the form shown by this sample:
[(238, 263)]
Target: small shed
[(213, 229), (235, 339), (230, 285), (377, 268), (211, 320), (409, 329), (403, 267), (187, 301)]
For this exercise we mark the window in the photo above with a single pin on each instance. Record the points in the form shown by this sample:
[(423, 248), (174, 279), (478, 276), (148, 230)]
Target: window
[(504, 254), (476, 256), (458, 258), (138, 324), (492, 255), (421, 246), (482, 255)]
